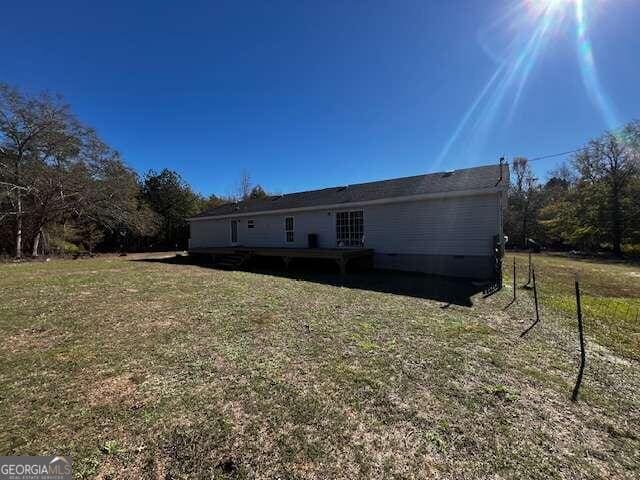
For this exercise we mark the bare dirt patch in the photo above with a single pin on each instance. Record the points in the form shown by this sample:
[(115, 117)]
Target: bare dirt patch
[(608, 355), (121, 389), (32, 339)]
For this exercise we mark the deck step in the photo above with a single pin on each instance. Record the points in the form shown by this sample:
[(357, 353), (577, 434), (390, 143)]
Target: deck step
[(231, 261)]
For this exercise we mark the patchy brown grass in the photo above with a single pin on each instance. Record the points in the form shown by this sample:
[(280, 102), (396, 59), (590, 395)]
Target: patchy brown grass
[(160, 370), (120, 389), (30, 339), (610, 294)]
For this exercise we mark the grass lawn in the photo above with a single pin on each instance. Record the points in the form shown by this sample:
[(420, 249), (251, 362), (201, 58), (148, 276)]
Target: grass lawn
[(157, 370), (610, 294)]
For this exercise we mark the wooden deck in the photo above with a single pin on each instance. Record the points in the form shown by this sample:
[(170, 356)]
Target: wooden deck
[(340, 255)]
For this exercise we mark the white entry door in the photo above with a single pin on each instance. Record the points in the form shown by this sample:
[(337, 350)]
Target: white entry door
[(234, 232)]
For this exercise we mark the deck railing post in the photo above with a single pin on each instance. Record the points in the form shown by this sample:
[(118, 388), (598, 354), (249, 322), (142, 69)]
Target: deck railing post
[(342, 263)]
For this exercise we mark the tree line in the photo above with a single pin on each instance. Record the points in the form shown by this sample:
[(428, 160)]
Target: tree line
[(590, 203), (64, 190)]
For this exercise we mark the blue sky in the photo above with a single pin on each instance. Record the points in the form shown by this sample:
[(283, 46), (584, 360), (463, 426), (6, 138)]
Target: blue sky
[(310, 94)]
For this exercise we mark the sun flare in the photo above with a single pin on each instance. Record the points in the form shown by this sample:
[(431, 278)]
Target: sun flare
[(526, 28)]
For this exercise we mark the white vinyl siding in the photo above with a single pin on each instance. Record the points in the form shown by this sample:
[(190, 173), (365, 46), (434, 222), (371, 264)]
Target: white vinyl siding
[(451, 226), (454, 226), (268, 231), (209, 233)]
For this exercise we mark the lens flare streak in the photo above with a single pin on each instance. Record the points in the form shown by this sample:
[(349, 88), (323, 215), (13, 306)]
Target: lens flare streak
[(534, 22), (588, 69)]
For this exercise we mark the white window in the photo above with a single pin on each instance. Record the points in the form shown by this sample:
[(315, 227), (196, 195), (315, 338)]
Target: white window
[(350, 228), (251, 224), (288, 229)]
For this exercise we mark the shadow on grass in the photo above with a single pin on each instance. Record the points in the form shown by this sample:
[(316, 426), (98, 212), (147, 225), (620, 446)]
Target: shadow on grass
[(450, 291)]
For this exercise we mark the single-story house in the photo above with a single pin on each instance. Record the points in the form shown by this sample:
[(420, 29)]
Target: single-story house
[(447, 223)]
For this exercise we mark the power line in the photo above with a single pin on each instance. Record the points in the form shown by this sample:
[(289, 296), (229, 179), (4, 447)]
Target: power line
[(553, 155), (544, 157)]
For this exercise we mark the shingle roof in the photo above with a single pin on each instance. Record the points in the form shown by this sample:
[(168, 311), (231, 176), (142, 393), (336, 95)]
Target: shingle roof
[(476, 178)]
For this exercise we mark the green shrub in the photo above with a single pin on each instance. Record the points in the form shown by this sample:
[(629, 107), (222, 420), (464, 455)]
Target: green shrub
[(65, 248)]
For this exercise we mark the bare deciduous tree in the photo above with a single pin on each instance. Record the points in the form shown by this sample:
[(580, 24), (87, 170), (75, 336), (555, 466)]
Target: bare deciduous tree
[(32, 129), (244, 185), (53, 169), (611, 162), (522, 197)]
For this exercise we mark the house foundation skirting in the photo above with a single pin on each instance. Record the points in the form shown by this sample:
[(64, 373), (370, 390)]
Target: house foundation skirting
[(468, 266)]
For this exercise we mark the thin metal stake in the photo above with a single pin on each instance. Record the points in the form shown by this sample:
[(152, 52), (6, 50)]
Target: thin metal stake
[(583, 355), (514, 279), (535, 294), (535, 299)]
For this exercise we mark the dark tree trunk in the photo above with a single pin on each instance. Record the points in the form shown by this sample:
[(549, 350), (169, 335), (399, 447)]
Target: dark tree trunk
[(525, 213)]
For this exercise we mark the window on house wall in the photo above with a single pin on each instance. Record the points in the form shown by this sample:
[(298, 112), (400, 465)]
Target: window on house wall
[(250, 224), (350, 228), (288, 229)]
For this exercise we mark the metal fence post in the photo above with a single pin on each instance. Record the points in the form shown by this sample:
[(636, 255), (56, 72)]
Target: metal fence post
[(514, 279), (583, 354), (535, 300), (535, 294)]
